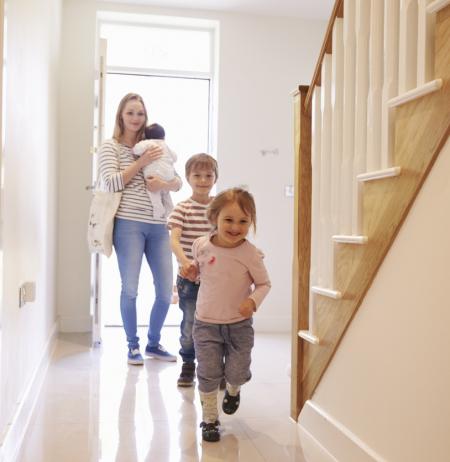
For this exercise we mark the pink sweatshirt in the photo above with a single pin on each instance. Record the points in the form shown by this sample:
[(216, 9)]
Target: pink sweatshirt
[(226, 279)]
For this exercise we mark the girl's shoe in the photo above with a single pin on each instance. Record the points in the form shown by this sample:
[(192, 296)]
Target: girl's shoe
[(210, 431), (230, 403)]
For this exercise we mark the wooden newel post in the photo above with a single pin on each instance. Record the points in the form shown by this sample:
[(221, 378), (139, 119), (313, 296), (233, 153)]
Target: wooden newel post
[(302, 243)]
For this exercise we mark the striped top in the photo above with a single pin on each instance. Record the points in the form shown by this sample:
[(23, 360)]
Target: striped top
[(135, 203), (190, 216)]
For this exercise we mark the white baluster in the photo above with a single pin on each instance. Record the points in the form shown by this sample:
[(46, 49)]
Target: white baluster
[(337, 97), (316, 139), (425, 44), (348, 122), (375, 86), (361, 93), (390, 82), (325, 176), (407, 71)]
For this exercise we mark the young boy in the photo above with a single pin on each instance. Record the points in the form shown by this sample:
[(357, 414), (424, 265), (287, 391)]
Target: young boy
[(187, 222)]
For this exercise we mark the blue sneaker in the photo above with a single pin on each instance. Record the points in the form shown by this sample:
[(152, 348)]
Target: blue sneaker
[(159, 352), (135, 357)]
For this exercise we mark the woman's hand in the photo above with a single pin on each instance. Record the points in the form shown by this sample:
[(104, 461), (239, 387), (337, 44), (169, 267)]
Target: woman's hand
[(247, 308), (154, 184), (150, 155)]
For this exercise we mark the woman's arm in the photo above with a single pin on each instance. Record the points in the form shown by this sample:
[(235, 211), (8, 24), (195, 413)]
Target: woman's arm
[(150, 155), (113, 179)]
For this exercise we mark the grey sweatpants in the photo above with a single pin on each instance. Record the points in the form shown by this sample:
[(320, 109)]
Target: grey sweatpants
[(223, 350)]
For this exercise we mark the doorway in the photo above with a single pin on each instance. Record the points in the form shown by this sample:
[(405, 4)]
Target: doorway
[(181, 106), (178, 94)]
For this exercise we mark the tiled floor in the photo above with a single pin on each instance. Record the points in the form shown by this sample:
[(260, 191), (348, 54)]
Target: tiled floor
[(94, 407)]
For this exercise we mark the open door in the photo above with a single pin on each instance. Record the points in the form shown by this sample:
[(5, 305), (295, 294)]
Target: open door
[(99, 124)]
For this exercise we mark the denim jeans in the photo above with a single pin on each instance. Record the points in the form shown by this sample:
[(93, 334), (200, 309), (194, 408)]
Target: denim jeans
[(187, 295), (132, 240)]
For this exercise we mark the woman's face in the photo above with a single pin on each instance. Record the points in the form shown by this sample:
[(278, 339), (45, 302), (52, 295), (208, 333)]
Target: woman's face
[(133, 116)]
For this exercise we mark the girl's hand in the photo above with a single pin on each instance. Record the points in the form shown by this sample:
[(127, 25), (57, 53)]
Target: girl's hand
[(189, 272), (150, 155), (247, 308)]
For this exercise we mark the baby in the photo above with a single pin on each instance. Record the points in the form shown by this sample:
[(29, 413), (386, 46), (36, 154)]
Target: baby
[(162, 167)]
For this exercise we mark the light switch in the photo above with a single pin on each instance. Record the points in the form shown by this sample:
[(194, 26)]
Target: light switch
[(289, 190), (27, 293)]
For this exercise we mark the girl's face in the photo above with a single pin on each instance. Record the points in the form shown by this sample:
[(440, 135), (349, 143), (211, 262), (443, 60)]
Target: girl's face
[(133, 116), (233, 225)]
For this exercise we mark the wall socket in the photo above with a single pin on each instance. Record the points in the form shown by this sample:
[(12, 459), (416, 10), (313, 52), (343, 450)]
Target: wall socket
[(27, 293)]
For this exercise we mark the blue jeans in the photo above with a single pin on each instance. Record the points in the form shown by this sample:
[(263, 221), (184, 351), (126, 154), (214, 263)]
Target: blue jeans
[(132, 240), (187, 295)]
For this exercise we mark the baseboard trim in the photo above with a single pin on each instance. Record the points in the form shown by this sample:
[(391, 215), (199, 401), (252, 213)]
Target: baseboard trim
[(332, 437), (15, 431)]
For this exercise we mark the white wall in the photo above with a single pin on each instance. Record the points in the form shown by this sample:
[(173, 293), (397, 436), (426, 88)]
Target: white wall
[(262, 59), (389, 381), (29, 196)]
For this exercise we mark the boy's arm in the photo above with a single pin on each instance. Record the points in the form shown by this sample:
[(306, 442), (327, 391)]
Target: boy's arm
[(175, 235)]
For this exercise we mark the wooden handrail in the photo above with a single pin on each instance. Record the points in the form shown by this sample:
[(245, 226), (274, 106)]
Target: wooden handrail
[(338, 12)]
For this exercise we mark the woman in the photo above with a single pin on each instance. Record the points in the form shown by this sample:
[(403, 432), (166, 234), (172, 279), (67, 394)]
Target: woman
[(136, 231)]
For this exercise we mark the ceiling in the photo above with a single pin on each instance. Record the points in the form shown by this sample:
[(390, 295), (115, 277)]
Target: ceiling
[(308, 9)]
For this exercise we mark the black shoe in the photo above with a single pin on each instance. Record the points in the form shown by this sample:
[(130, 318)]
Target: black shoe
[(210, 431), (222, 384), (230, 403), (186, 378)]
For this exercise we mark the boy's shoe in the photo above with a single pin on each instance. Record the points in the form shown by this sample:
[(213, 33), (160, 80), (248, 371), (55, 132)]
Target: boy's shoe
[(186, 378), (222, 384), (135, 357), (210, 431), (230, 403), (159, 352)]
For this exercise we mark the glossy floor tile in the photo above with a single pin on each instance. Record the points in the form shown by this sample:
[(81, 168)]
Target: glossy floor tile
[(95, 407)]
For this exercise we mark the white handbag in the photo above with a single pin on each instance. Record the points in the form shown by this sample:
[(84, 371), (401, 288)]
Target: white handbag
[(103, 209)]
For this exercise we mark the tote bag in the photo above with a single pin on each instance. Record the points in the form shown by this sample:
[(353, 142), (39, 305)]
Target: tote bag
[(103, 209)]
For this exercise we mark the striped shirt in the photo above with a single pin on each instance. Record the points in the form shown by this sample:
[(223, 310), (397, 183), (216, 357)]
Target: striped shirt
[(135, 203), (190, 216)]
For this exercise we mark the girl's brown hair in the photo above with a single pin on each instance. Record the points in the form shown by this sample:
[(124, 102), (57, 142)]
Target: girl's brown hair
[(242, 197), (119, 126)]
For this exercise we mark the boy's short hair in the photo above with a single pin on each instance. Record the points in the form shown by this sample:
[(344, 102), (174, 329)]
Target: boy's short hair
[(201, 160), (155, 132)]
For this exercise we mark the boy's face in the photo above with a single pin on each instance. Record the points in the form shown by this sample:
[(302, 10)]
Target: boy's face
[(201, 180)]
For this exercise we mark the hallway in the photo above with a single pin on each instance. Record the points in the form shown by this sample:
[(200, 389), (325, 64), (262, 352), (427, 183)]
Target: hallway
[(94, 407)]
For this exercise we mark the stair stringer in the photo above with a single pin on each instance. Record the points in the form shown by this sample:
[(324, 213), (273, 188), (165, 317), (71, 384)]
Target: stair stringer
[(422, 127)]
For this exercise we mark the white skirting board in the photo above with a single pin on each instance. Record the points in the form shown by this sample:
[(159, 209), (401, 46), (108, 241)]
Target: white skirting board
[(15, 433), (322, 433)]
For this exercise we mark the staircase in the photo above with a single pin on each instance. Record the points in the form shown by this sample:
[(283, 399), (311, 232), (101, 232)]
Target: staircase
[(367, 132)]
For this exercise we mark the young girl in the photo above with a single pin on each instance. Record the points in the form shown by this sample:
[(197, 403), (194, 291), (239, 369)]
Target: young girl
[(233, 283)]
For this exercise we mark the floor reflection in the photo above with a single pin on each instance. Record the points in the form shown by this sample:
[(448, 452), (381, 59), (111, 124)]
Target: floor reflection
[(94, 407)]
